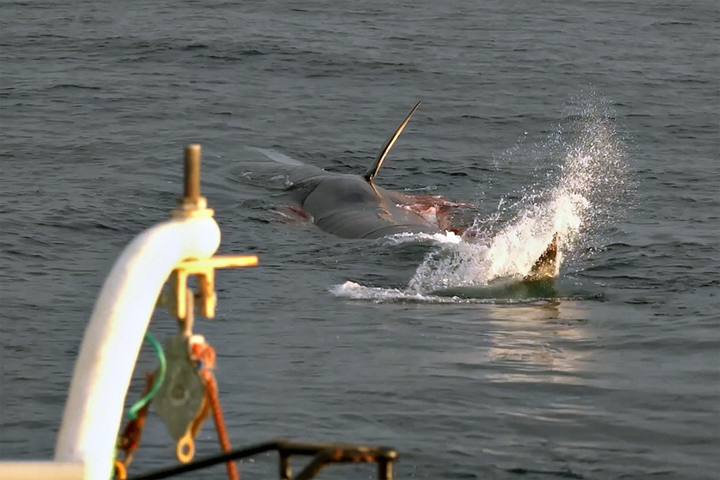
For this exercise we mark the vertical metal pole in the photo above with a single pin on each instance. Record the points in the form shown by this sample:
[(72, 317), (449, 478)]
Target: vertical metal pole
[(385, 469), (192, 173), (285, 470), (186, 323)]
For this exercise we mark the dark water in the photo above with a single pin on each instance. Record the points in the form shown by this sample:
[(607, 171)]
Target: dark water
[(618, 379)]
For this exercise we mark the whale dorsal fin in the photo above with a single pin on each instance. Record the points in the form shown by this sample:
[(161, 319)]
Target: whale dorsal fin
[(373, 170)]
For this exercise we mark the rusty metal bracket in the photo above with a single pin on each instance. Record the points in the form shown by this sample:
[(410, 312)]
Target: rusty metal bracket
[(323, 454), (206, 298), (193, 205)]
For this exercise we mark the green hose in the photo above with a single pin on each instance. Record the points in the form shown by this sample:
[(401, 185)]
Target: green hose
[(140, 404)]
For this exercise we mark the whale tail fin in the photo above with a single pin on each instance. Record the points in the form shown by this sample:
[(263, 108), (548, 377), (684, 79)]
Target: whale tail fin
[(371, 172), (547, 267)]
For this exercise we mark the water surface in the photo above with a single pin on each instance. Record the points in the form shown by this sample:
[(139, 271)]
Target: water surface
[(619, 378)]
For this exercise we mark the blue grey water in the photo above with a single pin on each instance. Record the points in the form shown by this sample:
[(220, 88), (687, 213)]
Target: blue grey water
[(618, 379)]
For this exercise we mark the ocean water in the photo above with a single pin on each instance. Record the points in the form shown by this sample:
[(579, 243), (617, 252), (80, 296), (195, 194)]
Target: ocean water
[(595, 119)]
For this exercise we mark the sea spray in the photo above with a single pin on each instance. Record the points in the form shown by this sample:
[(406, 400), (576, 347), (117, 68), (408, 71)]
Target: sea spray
[(580, 193)]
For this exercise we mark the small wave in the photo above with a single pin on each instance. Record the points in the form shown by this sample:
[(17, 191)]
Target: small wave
[(72, 85)]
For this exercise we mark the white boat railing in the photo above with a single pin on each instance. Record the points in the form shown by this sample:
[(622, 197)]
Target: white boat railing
[(86, 443), (112, 340)]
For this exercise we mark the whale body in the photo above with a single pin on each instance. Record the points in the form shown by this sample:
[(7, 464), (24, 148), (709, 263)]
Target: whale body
[(353, 206)]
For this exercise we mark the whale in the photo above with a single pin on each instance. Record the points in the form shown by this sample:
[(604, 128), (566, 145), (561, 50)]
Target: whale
[(354, 207)]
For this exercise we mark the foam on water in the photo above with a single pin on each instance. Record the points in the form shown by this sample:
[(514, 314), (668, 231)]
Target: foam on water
[(582, 199), (445, 237), (355, 291)]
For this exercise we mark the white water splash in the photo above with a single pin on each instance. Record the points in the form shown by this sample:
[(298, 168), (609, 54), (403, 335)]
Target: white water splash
[(355, 291), (445, 237), (592, 179)]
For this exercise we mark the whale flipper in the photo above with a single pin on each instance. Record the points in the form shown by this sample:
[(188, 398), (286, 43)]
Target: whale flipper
[(547, 267)]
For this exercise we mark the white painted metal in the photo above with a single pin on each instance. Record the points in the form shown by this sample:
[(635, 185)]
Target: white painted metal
[(41, 471), (113, 337)]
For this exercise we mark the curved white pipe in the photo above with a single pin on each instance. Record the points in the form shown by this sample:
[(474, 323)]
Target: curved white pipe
[(113, 337)]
